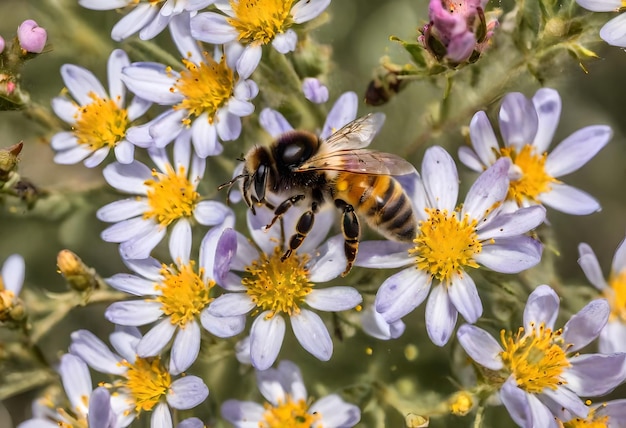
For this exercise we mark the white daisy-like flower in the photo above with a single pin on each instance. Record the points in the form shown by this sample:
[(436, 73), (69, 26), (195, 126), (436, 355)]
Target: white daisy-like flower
[(288, 404), (88, 407), (141, 384), (273, 290), (162, 197), (613, 335), (451, 240), (148, 17), (207, 98), (11, 283), (540, 372), (609, 414), (255, 23), (177, 296), (527, 127), (99, 119)]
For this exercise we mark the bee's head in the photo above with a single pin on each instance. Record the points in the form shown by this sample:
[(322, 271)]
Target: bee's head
[(256, 172)]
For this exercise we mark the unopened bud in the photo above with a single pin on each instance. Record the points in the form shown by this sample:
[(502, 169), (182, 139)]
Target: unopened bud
[(11, 307), (461, 403), (416, 421), (31, 36), (79, 276), (9, 160), (383, 87)]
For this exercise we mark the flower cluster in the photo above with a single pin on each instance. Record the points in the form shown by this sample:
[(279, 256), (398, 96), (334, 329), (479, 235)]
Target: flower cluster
[(203, 287)]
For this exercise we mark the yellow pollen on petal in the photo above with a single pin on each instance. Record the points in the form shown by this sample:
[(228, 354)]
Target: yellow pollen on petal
[(536, 360), (591, 421), (534, 180), (260, 20), (616, 295), (183, 292), (205, 87), (147, 381), (278, 286), (444, 246), (102, 123), (171, 196), (288, 414)]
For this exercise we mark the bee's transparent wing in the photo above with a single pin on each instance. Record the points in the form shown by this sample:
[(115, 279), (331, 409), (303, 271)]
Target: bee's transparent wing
[(355, 135), (361, 161)]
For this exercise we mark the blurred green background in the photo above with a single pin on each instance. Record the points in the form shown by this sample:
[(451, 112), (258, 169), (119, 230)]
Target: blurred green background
[(358, 32)]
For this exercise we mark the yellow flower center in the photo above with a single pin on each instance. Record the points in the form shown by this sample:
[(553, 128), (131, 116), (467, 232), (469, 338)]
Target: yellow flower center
[(101, 123), (534, 180), (148, 382), (445, 245), (592, 421), (260, 20), (536, 360), (205, 87), (170, 196), (616, 295), (288, 414), (278, 286), (184, 293)]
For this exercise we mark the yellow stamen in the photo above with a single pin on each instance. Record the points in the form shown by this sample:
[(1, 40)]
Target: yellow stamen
[(288, 414), (536, 360), (100, 124), (591, 421), (171, 196), (147, 381), (616, 295), (260, 20), (445, 245), (206, 87), (278, 286), (534, 180), (184, 293)]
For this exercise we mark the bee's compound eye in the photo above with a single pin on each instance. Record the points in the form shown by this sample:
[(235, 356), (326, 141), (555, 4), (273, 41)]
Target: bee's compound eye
[(294, 152)]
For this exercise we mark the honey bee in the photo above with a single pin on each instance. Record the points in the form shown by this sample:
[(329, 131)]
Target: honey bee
[(360, 182)]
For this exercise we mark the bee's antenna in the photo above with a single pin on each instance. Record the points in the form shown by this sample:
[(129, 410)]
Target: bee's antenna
[(241, 158)]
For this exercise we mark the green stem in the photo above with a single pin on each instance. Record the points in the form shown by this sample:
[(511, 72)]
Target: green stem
[(478, 420)]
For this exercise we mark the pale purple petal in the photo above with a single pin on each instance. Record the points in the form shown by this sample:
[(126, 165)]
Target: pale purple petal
[(586, 325), (124, 340), (67, 110), (335, 412), (249, 60), (383, 254), (12, 274), (166, 127), (161, 417), (222, 326), (187, 392), (314, 90), (242, 414), (141, 246), (510, 255), (343, 111), (124, 152), (614, 31), (577, 149), (518, 120), (312, 334), (401, 293), (132, 284), (137, 108), (441, 316), (134, 21), (306, 10), (229, 124), (542, 307), (512, 224), (266, 339), (213, 28), (516, 402), (152, 82), (155, 340), (375, 325), (99, 5), (117, 60), (569, 200), (231, 304), (129, 178), (76, 381), (81, 83), (331, 262), (468, 157), (480, 346), (464, 296), (73, 155), (204, 137), (600, 5), (95, 353), (273, 122), (619, 259), (441, 179), (185, 348), (97, 157), (567, 400), (541, 414), (180, 242), (613, 338), (593, 375), (285, 42), (333, 299), (133, 312), (547, 104), (64, 141), (489, 189)]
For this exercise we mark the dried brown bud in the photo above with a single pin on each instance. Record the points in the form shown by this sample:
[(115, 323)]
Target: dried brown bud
[(9, 160), (79, 276)]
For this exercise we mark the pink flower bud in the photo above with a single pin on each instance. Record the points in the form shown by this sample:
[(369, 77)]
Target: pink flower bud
[(31, 36), (2, 44)]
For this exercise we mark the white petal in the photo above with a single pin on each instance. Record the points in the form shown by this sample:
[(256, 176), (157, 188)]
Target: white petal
[(518, 120), (489, 189), (331, 262), (312, 334), (547, 103), (12, 274), (249, 60), (441, 316), (464, 296), (95, 353), (76, 381), (613, 338), (584, 326), (480, 346), (614, 31), (273, 122), (127, 229), (335, 412), (510, 255), (161, 417), (141, 246), (222, 326), (231, 304), (285, 42), (99, 5), (401, 293), (64, 141), (569, 200), (383, 254), (185, 348), (132, 284), (187, 392), (577, 149), (134, 312), (511, 224), (440, 178), (65, 108), (542, 307), (117, 60), (342, 112), (180, 241), (567, 400), (242, 414), (483, 139), (124, 152), (229, 125), (266, 339), (212, 28), (133, 21), (468, 157), (122, 210), (333, 299), (204, 137), (129, 178), (156, 339), (306, 10), (96, 158), (72, 156), (81, 83), (600, 5), (151, 81)]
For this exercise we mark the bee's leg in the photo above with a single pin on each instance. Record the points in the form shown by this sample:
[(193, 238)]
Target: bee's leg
[(351, 231), (283, 208), (303, 227)]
